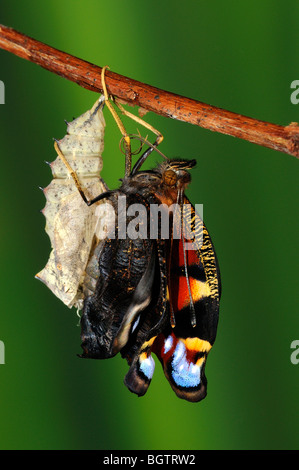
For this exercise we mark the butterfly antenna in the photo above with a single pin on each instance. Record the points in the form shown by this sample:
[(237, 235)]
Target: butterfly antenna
[(193, 316), (172, 317)]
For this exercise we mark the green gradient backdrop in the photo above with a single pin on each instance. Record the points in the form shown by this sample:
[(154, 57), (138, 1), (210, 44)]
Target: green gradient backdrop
[(235, 55)]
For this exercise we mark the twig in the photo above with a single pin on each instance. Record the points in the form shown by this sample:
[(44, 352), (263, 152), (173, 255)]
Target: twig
[(284, 139)]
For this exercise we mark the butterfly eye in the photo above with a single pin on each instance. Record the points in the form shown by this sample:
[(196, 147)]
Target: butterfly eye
[(170, 178)]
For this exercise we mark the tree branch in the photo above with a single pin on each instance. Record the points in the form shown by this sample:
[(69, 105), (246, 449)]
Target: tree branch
[(284, 139)]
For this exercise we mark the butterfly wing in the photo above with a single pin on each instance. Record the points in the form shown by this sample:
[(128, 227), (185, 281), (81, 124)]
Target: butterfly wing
[(125, 274), (194, 289), (152, 322)]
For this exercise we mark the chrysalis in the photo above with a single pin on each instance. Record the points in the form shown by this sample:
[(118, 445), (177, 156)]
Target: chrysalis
[(70, 224)]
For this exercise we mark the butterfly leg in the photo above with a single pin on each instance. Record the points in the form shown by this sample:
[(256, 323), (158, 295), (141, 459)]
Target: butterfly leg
[(126, 136), (76, 179), (120, 125), (145, 124)]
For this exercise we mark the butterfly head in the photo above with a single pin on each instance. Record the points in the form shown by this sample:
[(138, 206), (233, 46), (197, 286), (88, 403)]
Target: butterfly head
[(175, 173)]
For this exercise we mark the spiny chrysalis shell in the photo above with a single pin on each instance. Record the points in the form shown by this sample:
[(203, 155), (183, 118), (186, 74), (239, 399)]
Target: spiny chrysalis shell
[(70, 223)]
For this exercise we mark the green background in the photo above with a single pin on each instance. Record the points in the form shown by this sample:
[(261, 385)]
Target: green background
[(236, 55)]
